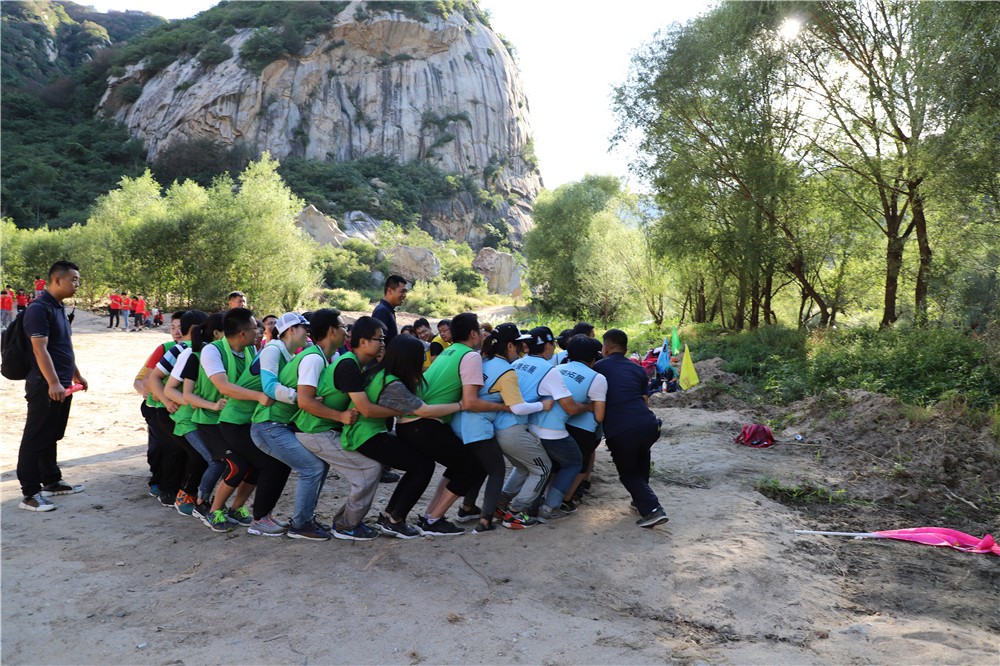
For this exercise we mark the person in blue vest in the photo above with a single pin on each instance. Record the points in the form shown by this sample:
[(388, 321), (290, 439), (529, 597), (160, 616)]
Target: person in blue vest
[(497, 434), (538, 379), (563, 342), (587, 386), (630, 427)]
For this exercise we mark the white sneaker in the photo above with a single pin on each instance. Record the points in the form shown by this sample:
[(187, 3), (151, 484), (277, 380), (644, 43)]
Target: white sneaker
[(36, 503), (60, 488)]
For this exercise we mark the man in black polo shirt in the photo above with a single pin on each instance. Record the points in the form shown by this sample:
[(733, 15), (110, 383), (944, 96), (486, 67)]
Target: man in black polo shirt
[(385, 311), (53, 370), (629, 426)]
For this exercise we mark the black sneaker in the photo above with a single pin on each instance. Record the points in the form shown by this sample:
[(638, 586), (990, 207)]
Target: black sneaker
[(400, 530), (484, 527), (568, 506), (468, 516), (388, 476), (359, 533), (201, 512), (655, 517), (310, 531), (440, 527), (166, 499)]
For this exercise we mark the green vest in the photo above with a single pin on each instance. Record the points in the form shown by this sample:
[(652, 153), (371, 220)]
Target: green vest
[(240, 412), (332, 398), (282, 412), (204, 387), (150, 400), (365, 428), (182, 417), (443, 383)]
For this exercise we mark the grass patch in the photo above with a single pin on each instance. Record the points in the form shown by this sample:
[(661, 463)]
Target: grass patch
[(803, 493)]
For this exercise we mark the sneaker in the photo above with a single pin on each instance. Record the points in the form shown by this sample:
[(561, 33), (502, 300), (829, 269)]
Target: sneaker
[(481, 527), (400, 530), (217, 521), (360, 533), (388, 476), (518, 521), (201, 512), (60, 488), (184, 503), (166, 499), (310, 531), (281, 523), (656, 517), (240, 516), (154, 490), (266, 526), (568, 506), (547, 515), (501, 511), (440, 527), (468, 516), (36, 503)]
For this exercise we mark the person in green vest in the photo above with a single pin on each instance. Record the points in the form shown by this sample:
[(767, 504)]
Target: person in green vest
[(248, 468), (202, 329), (323, 413), (273, 433), (390, 389), (455, 375), (221, 365)]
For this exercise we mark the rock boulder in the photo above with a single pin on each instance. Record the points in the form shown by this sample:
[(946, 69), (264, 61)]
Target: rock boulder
[(412, 263), (503, 275)]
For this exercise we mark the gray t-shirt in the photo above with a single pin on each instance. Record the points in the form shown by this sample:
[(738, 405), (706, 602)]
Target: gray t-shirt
[(397, 396)]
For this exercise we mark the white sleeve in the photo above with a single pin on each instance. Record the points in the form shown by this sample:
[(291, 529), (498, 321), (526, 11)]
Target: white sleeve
[(182, 361), (598, 391), (553, 386), (310, 369), (211, 361), (525, 408)]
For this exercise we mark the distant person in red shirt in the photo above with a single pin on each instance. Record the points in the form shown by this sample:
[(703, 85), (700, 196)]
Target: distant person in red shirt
[(21, 301), (114, 308), (140, 312), (39, 286), (6, 308), (126, 310)]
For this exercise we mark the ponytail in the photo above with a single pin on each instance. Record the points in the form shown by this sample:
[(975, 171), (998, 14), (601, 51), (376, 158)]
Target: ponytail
[(489, 347), (204, 333)]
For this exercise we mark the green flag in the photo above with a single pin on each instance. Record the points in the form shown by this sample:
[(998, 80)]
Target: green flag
[(675, 342)]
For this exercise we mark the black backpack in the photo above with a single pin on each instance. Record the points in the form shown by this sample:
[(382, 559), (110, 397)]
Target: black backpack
[(16, 349)]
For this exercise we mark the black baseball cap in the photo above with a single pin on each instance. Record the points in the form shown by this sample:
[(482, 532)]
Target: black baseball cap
[(506, 333)]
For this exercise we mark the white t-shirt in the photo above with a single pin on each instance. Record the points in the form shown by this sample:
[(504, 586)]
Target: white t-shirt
[(310, 368), (211, 360)]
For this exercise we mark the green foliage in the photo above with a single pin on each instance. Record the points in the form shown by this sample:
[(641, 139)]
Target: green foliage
[(215, 52), (344, 300), (350, 266), (187, 246), (262, 48), (802, 493), (129, 93), (338, 187)]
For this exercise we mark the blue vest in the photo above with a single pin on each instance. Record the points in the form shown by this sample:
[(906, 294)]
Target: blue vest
[(478, 426), (578, 378), (531, 370), (557, 359)]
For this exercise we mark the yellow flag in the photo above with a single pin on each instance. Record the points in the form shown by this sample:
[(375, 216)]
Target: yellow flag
[(689, 377)]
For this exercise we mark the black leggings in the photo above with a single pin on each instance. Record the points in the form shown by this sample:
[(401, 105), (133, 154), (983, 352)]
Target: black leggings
[(586, 440), (113, 319), (418, 470), (270, 474), (437, 441), (181, 467), (238, 468), (491, 458)]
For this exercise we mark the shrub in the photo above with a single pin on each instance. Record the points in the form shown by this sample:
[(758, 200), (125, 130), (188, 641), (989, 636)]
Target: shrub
[(344, 300), (215, 53), (261, 49), (129, 93)]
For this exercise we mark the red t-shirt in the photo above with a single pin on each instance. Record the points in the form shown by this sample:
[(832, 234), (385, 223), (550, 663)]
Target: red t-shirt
[(39, 284), (126, 303), (140, 306), (6, 302), (116, 302), (22, 299)]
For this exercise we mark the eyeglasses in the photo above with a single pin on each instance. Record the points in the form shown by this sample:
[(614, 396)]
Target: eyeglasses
[(381, 340)]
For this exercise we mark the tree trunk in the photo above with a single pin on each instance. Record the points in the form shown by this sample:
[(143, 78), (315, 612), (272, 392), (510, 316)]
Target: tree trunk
[(923, 272), (797, 268), (893, 265)]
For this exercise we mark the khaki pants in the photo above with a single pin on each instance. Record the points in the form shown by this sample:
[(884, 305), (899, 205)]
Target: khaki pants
[(361, 472)]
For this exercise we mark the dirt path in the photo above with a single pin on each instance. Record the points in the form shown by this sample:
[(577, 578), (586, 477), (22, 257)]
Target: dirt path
[(112, 577)]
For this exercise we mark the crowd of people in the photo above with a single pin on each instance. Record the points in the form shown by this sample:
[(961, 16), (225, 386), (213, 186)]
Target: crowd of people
[(132, 312), (14, 303), (230, 416)]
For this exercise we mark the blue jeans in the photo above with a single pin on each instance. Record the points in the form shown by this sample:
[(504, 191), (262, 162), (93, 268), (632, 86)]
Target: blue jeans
[(214, 470), (568, 461), (279, 441), (125, 314)]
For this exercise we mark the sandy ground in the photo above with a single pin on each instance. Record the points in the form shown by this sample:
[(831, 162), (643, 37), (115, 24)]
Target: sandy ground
[(113, 577)]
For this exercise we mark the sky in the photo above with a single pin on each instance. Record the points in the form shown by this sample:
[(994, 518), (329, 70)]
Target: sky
[(571, 55)]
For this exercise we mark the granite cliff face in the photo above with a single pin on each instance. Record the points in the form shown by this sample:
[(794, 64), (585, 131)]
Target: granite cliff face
[(441, 90)]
